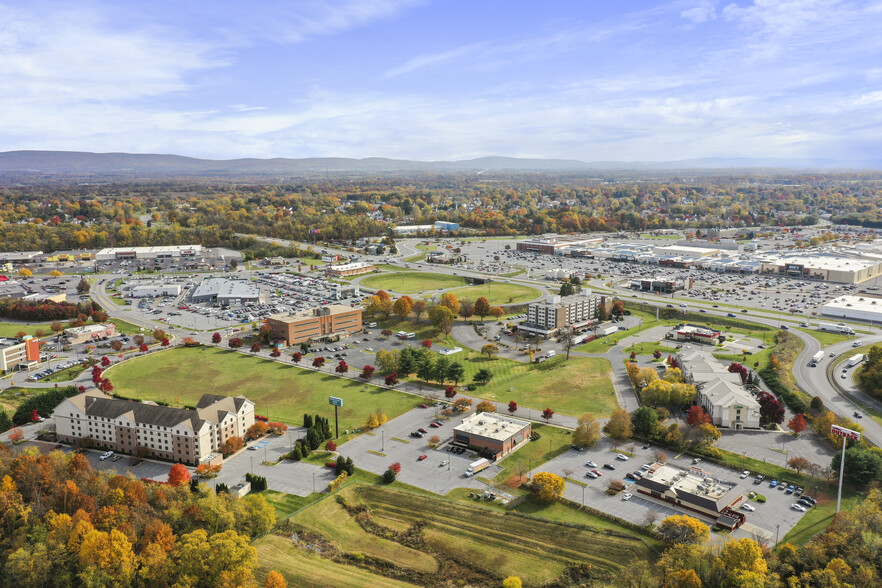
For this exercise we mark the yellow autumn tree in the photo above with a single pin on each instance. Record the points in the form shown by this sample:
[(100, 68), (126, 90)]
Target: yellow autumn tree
[(275, 580), (111, 553), (547, 486), (683, 529)]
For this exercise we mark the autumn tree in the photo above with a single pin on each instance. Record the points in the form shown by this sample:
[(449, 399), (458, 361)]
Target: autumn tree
[(216, 338), (709, 433), (799, 464), (547, 414), (619, 425), (485, 406), (482, 307), (644, 420), (683, 529), (466, 309), (257, 430), (490, 350), (367, 372), (547, 486), (342, 367), (178, 475), (418, 309), (497, 312), (697, 416), (797, 424), (450, 301), (439, 314), (450, 392), (318, 362), (587, 432), (275, 580), (512, 407), (402, 307)]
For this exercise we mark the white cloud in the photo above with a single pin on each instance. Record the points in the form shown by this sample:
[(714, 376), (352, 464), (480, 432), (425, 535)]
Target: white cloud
[(705, 11)]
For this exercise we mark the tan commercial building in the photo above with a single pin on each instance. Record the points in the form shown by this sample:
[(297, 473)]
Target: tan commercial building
[(350, 269), (500, 434), (332, 320), (694, 490), (88, 333), (555, 312), (148, 429), (16, 356)]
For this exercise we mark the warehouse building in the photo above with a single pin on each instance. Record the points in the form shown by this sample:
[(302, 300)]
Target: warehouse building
[(148, 429), (500, 434), (155, 290), (858, 308), (556, 244), (325, 322), (226, 291), (694, 490)]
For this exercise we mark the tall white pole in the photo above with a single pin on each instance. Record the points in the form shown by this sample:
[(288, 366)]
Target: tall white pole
[(841, 471)]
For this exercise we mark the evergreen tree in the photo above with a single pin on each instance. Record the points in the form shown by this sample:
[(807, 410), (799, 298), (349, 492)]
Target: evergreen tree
[(307, 421)]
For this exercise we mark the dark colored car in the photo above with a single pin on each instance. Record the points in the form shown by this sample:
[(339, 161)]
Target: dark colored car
[(609, 466)]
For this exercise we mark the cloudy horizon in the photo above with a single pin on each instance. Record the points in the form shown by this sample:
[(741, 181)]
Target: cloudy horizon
[(430, 80)]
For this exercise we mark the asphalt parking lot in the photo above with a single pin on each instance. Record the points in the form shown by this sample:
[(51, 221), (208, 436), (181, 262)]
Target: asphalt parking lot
[(153, 470), (393, 439), (775, 513)]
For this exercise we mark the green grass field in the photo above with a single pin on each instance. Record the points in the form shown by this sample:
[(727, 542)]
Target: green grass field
[(307, 568), (499, 293), (11, 398), (553, 442), (280, 392), (826, 339), (572, 387), (648, 348), (412, 282), (13, 329), (286, 504)]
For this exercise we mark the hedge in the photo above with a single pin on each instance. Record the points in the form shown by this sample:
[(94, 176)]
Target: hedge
[(43, 403)]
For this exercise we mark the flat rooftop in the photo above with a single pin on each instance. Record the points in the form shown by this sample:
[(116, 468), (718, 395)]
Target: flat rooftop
[(491, 426), (862, 303), (309, 313), (825, 261), (691, 481)]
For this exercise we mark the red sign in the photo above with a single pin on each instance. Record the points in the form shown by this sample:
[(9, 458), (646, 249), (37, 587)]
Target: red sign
[(843, 432)]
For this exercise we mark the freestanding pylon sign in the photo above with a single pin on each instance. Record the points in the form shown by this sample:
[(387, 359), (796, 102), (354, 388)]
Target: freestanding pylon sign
[(845, 434)]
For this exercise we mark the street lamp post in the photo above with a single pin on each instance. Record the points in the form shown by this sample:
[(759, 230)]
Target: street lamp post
[(313, 482), (252, 465), (583, 495), (777, 526)]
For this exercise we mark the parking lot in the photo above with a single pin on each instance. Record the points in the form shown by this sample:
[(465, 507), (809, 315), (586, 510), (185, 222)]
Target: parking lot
[(393, 440), (774, 515)]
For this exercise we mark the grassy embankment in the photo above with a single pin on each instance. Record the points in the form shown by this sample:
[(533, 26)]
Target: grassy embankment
[(479, 545)]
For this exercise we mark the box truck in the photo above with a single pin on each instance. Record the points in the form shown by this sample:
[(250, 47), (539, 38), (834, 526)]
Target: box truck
[(477, 466), (816, 358), (856, 359)]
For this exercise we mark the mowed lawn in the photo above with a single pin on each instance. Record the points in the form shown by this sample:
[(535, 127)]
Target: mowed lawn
[(12, 330), (411, 282), (572, 387), (281, 392), (498, 293)]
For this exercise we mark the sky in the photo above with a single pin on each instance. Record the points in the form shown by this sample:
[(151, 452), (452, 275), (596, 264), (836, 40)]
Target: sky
[(593, 80)]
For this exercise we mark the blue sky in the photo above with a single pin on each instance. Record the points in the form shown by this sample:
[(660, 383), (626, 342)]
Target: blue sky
[(596, 80)]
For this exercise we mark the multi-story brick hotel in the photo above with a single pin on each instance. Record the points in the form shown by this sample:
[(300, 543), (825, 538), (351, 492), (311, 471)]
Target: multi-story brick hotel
[(148, 429), (324, 322)]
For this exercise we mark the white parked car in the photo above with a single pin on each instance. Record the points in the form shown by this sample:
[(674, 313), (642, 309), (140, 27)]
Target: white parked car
[(798, 507), (591, 464), (627, 496), (744, 474), (621, 457), (105, 455), (747, 507)]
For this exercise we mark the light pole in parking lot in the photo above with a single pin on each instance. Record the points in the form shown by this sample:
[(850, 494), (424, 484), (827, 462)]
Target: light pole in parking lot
[(313, 481), (583, 495), (777, 526), (252, 465)]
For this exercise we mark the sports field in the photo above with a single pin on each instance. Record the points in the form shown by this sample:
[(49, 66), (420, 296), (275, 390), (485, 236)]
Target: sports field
[(281, 392), (412, 282), (499, 293), (427, 534)]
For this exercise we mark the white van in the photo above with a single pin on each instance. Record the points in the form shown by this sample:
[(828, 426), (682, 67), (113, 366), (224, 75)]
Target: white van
[(372, 325), (550, 354)]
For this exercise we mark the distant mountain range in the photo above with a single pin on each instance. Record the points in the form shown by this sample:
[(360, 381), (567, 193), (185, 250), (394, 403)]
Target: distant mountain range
[(77, 162)]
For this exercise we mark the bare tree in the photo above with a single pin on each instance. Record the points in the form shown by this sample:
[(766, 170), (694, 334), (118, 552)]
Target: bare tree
[(568, 473), (650, 517), (568, 337)]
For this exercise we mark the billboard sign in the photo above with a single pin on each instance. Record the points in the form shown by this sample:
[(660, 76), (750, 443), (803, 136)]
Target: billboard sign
[(334, 401), (843, 432), (792, 269)]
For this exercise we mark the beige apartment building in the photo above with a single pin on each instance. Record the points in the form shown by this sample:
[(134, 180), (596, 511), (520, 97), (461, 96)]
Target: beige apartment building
[(148, 429), (332, 320)]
